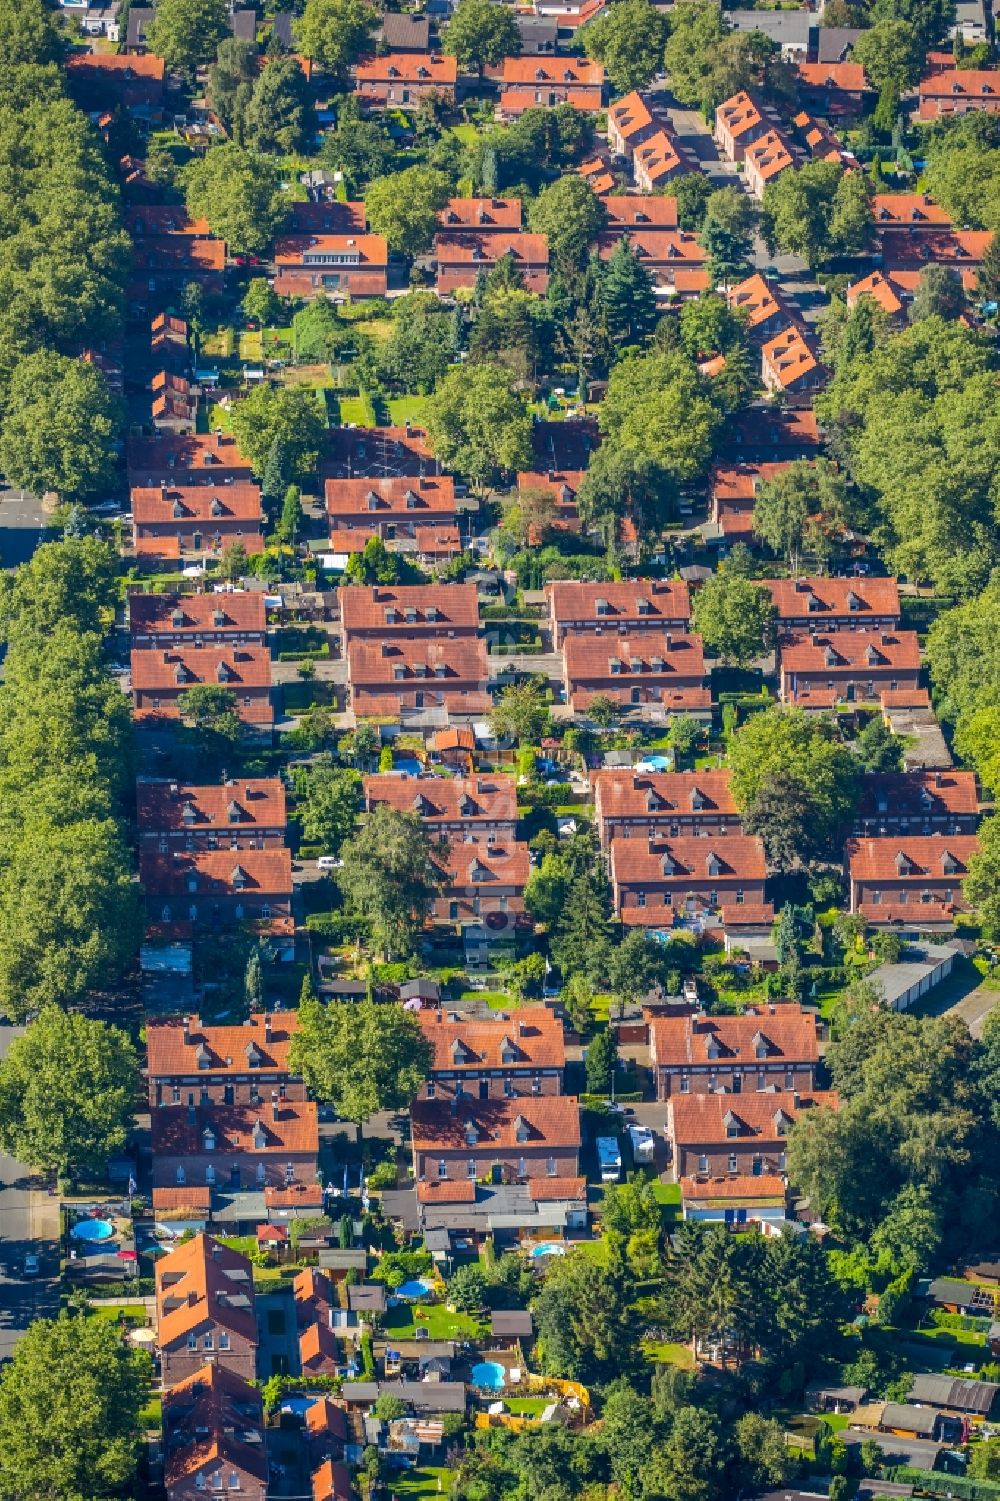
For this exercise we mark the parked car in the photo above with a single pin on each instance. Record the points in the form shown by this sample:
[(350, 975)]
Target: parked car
[(329, 862), (31, 1265)]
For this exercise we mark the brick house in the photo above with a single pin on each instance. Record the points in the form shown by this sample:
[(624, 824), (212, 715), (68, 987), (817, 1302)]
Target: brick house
[(765, 1049), (821, 142), (834, 90), (543, 82), (762, 306), (503, 1140), (656, 672), (504, 1057), (633, 604), (102, 81), (246, 815), (214, 1437), (400, 80), (395, 509), (657, 879), (331, 1482), (958, 91), (561, 486), (161, 620), (484, 881), (821, 670), (160, 677), (918, 802), (205, 1311), (632, 804), (912, 881), (657, 160), (732, 490), (789, 366), (460, 257), (674, 258), (191, 1062), (338, 266), (914, 212), (630, 122), (162, 265), (764, 160), (739, 122), (481, 215), (408, 611), (213, 888), (172, 520), (451, 807), (184, 459), (236, 1148), (407, 677), (891, 296), (628, 211), (742, 1135), (835, 604), (905, 255)]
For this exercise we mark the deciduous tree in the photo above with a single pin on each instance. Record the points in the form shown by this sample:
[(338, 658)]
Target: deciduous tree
[(287, 415), (360, 1056), (404, 207), (390, 878), (239, 193), (61, 422), (335, 33), (477, 425), (186, 33), (733, 616), (628, 39), (479, 33)]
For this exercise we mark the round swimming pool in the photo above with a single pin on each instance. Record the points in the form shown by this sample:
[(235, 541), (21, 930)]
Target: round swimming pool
[(417, 1287), (548, 1248), (489, 1375), (92, 1230)]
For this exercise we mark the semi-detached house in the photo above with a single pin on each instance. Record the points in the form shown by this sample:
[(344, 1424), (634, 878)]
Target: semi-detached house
[(764, 1049), (658, 880), (245, 815), (631, 804), (910, 881), (632, 605), (164, 620), (402, 677), (655, 672), (338, 266), (214, 1437), (159, 678), (408, 611), (205, 1311), (506, 1056), (506, 1141), (743, 1135)]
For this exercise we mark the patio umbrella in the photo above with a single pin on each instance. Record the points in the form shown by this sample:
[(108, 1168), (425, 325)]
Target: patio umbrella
[(127, 1256)]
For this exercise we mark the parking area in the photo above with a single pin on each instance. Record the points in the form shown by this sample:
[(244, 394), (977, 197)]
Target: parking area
[(22, 526)]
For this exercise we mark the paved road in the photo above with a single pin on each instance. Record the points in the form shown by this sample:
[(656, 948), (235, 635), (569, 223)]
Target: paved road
[(21, 526), (25, 1215)]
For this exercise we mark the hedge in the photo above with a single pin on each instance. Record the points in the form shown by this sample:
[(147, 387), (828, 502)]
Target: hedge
[(958, 1486)]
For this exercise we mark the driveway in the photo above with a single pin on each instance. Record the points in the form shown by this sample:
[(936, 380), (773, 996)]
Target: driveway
[(28, 1222), (22, 526)]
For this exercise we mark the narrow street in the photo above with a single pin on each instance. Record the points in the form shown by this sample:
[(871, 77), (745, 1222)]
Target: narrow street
[(29, 1222)]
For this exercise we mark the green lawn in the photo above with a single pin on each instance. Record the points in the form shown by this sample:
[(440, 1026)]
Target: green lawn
[(402, 408), (430, 1480), (355, 409), (379, 329), (252, 345), (151, 1415), (402, 1322), (526, 1407), (466, 133), (130, 1313), (666, 1352)]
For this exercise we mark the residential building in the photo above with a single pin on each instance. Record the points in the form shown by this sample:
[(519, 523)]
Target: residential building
[(764, 160), (773, 434), (405, 677), (171, 521), (743, 1135), (159, 678), (184, 459), (885, 289), (163, 264), (481, 215), (630, 211), (328, 216), (338, 266), (732, 492), (630, 122), (835, 604), (451, 807), (658, 672), (245, 815), (909, 880), (205, 1311), (218, 888), (659, 880), (103, 81), (739, 121), (400, 80), (500, 1140), (409, 612), (767, 1048), (958, 91), (630, 804), (835, 42), (834, 90), (538, 38), (630, 605), (674, 258), (912, 211), (918, 802), (396, 508), (461, 255), (905, 254), (821, 142), (484, 877), (788, 365), (191, 1062), (738, 1202), (598, 174), (332, 1482), (561, 486), (543, 82), (657, 160), (762, 306), (236, 1148), (214, 1437), (506, 1056), (400, 32), (791, 30), (821, 670), (162, 620)]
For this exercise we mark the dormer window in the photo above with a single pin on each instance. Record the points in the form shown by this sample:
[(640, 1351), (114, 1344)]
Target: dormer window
[(189, 813), (177, 619), (669, 865), (216, 506), (258, 1136), (760, 1045), (712, 1048), (781, 1123), (208, 1139), (713, 864), (238, 877), (902, 864), (223, 672), (949, 864), (254, 1055), (508, 1052), (471, 1134), (202, 1056), (697, 800), (218, 618), (521, 1129), (732, 1123)]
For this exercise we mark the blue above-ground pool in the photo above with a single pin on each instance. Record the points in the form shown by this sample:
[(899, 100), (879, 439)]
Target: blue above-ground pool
[(655, 763), (549, 1248), (417, 1287), (92, 1230), (408, 765), (489, 1376)]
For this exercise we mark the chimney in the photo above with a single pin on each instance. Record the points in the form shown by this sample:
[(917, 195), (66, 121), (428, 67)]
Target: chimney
[(267, 1027), (192, 1298), (938, 779), (274, 1104), (187, 1030)]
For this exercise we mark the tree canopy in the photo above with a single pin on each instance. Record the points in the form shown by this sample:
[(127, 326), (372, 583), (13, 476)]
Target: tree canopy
[(404, 206), (817, 211), (186, 33), (280, 415), (360, 1056), (239, 193), (478, 425), (389, 877), (628, 38), (335, 33), (733, 616), (60, 425), (480, 32), (787, 742)]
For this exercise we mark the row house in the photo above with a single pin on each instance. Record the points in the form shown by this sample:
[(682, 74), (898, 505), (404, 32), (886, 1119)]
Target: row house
[(158, 219), (401, 80), (765, 160), (160, 678), (327, 216), (914, 212), (174, 405), (185, 459), (834, 90), (775, 434), (822, 670), (502, 1058), (481, 216), (653, 671), (910, 880), (918, 802), (658, 880), (168, 339), (236, 1148), (205, 1312), (732, 491), (884, 288), (625, 212), (191, 1062), (631, 804), (103, 81), (761, 306), (561, 488), (597, 174), (338, 266), (460, 257), (172, 521), (245, 815), (408, 611), (397, 509), (763, 1049), (821, 143), (353, 451), (746, 1136), (904, 255), (835, 604), (238, 618), (450, 807), (958, 91), (404, 33), (163, 265), (674, 258), (483, 880), (739, 121), (788, 366), (543, 82), (505, 1141), (404, 676), (219, 888), (630, 605), (630, 122), (214, 1439), (657, 160)]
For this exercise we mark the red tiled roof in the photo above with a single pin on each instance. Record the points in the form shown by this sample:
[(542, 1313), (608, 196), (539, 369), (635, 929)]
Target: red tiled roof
[(849, 77), (551, 72), (217, 1051), (474, 863), (657, 157), (476, 248), (552, 1190), (666, 600), (643, 861), (732, 484), (236, 667), (904, 698), (739, 114), (400, 495), (783, 1032), (919, 794), (900, 857), (913, 209), (214, 1282), (769, 156), (433, 607), (249, 1129), (516, 100), (878, 286), (194, 1197), (962, 83), (542, 1120), (789, 356), (292, 251), (739, 915), (656, 245), (294, 1196), (476, 799), (462, 659), (833, 651), (741, 1186), (147, 66), (700, 1118), (162, 219), (876, 597), (481, 213), (222, 872), (639, 210), (659, 655), (318, 1348), (207, 1416), (630, 115), (177, 806), (961, 248), (326, 218), (332, 1481), (755, 300), (326, 1416), (436, 541), (272, 1235), (178, 253), (455, 738), (447, 1191), (203, 452), (408, 67), (530, 1037), (624, 793)]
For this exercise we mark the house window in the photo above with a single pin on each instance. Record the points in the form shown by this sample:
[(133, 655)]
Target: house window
[(760, 1078), (442, 1169), (175, 1094), (431, 1090), (208, 1343), (508, 1089), (732, 1162), (732, 1131), (536, 1084), (470, 1167), (640, 899), (740, 898), (789, 1078), (781, 1161), (234, 1481), (703, 1163), (192, 1341), (522, 1167), (223, 1341), (685, 1084), (180, 1177), (550, 1167)]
